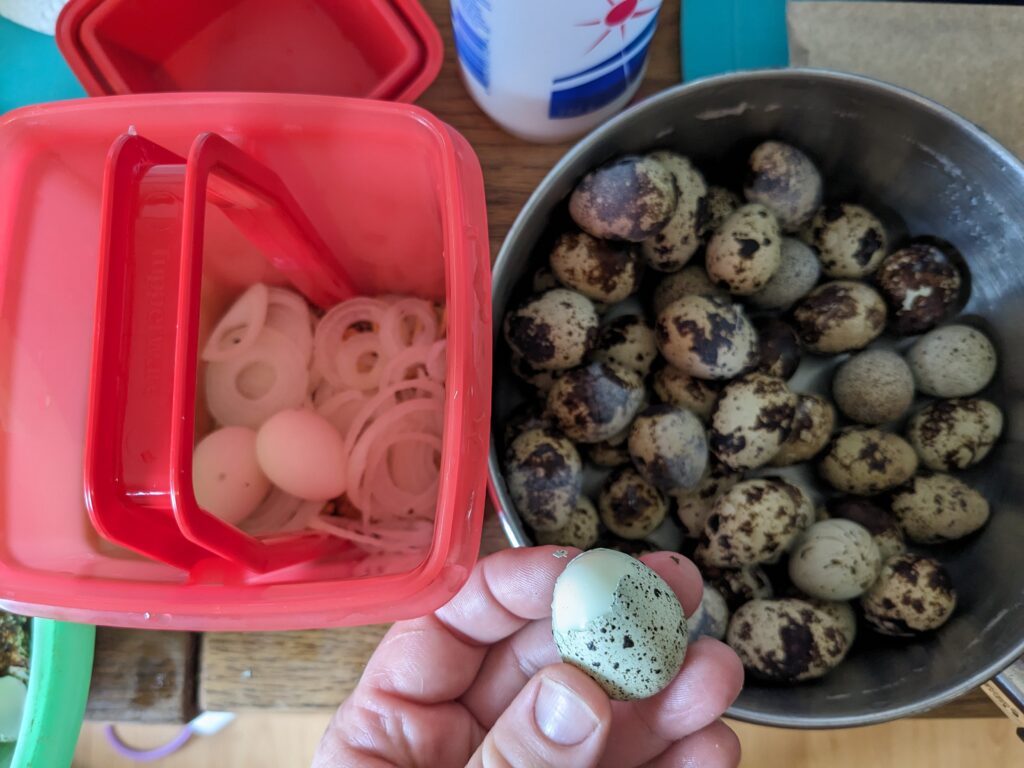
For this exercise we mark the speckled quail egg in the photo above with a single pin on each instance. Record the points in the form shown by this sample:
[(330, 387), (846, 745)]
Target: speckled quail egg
[(674, 245), (746, 251), (752, 523), (751, 420), (814, 420), (706, 337), (637, 548), (778, 348), (835, 560), (798, 273), (609, 453), (784, 180), (739, 585), (842, 612), (629, 341), (553, 331), (668, 447), (840, 316), (850, 240), (601, 270), (618, 621), (674, 387), (544, 280), (691, 280), (874, 387), (630, 506), (721, 202), (933, 508), (581, 531), (952, 361), (226, 474), (526, 416), (693, 506), (631, 198), (542, 381), (596, 401), (954, 434), (912, 594), (922, 286), (868, 461), (711, 619), (787, 640), (881, 524), (544, 475), (802, 498)]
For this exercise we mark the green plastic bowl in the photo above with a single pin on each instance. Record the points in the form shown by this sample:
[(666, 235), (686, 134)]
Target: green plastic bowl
[(60, 668)]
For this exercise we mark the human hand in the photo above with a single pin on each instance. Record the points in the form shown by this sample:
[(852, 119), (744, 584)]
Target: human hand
[(480, 683)]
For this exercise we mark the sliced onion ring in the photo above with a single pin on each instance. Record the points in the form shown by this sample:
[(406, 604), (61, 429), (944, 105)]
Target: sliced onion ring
[(240, 326)]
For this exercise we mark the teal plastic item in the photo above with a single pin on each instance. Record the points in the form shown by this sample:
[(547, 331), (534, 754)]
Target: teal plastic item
[(59, 673), (720, 36), (32, 69)]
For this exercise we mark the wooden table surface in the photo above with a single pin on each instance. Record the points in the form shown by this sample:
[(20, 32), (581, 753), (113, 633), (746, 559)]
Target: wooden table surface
[(151, 676)]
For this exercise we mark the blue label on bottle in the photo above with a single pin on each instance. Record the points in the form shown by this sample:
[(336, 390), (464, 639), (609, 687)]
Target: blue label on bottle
[(472, 38)]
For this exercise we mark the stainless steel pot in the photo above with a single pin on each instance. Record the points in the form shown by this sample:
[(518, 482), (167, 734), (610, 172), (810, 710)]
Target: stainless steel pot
[(927, 171)]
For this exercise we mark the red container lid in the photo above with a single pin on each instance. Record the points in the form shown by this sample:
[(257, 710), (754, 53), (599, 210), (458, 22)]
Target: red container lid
[(377, 49)]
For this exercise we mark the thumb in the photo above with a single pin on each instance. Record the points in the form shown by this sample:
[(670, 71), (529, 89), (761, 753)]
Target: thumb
[(560, 718)]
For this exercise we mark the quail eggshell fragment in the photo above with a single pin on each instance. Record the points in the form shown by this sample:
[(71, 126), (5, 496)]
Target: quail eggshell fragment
[(934, 508), (691, 280), (751, 420), (779, 351), (553, 331), (784, 180), (544, 475), (226, 475), (739, 585), (693, 506), (601, 270), (631, 198), (629, 341), (850, 240), (706, 337), (542, 381), (668, 447), (921, 285), (840, 316), (673, 246), (752, 523), (721, 202), (912, 594), (787, 640), (835, 560), (874, 387), (582, 530), (674, 387), (630, 506), (596, 401), (880, 523), (711, 619), (952, 361), (955, 434), (619, 622), (799, 271), (746, 251), (814, 420), (868, 461)]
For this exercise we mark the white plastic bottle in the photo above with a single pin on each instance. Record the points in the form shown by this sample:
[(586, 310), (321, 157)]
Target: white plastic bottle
[(550, 70)]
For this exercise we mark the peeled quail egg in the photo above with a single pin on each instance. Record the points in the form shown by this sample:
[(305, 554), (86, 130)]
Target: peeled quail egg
[(746, 251), (785, 180), (581, 531), (629, 341), (954, 434), (226, 475), (834, 560), (839, 317), (706, 337), (850, 240), (676, 243), (631, 198), (554, 330), (630, 506), (752, 418), (544, 475), (874, 387), (868, 461), (952, 361), (668, 447), (596, 401), (601, 270), (913, 594), (754, 522), (302, 454), (933, 508)]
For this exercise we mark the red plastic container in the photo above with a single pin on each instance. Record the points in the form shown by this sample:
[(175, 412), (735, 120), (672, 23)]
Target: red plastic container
[(388, 186), (379, 49)]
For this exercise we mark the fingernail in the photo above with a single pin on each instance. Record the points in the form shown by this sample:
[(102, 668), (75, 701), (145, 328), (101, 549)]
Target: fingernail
[(561, 715)]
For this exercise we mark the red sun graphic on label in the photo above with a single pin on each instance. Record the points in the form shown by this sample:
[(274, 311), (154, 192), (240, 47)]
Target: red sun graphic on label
[(618, 16)]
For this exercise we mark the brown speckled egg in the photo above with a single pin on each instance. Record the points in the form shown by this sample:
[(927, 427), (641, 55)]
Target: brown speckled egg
[(674, 245), (798, 273), (933, 508), (913, 594), (739, 585), (674, 387), (784, 180), (581, 531), (526, 416), (752, 418), (609, 453), (619, 622), (544, 475), (840, 316), (874, 387), (814, 420), (544, 280), (689, 280), (922, 286), (952, 361), (721, 202), (629, 341), (882, 525), (706, 337), (752, 523), (778, 348), (954, 434), (693, 506), (553, 331), (599, 269), (631, 198), (868, 461), (542, 381), (850, 240), (668, 447), (630, 507), (745, 251), (834, 560), (788, 640), (596, 401)]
